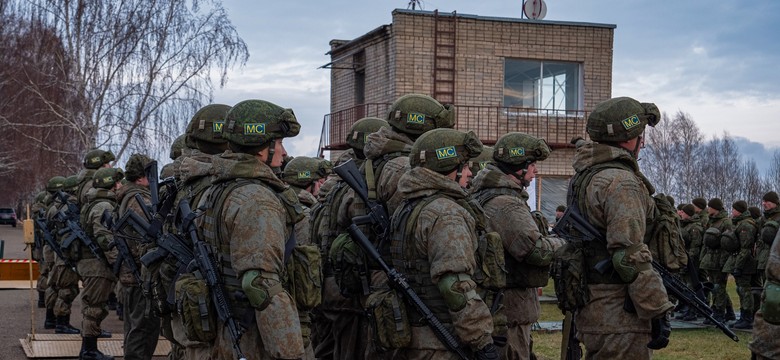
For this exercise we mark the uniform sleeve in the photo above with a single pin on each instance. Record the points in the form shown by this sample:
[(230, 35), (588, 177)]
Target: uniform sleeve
[(387, 184), (747, 239), (450, 246), (518, 235), (102, 235)]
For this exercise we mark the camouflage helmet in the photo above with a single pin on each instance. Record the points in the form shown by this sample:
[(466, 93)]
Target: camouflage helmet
[(302, 170), (621, 119), (71, 183), (482, 161), (519, 149), (56, 183), (204, 132), (105, 178), (442, 150), (134, 168), (96, 158), (359, 131), (414, 114), (176, 147), (253, 123)]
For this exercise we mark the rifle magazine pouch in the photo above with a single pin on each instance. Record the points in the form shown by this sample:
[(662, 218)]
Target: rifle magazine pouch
[(569, 276), (193, 303), (388, 319), (770, 307), (349, 266), (304, 276)]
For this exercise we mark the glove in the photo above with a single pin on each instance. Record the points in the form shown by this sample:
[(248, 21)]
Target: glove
[(488, 352), (736, 272), (662, 328), (499, 341)]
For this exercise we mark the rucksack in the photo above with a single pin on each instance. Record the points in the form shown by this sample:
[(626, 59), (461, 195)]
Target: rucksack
[(663, 236)]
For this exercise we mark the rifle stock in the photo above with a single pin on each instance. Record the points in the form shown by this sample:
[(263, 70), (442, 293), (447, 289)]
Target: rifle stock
[(377, 215)]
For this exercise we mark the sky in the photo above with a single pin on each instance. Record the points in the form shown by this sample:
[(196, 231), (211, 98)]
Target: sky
[(718, 61)]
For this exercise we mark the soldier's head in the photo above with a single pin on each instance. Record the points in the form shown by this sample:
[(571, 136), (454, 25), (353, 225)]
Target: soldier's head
[(96, 159), (414, 114), (204, 132), (134, 169), (307, 173), (257, 127), (770, 201), (480, 162), (739, 207), (755, 212), (177, 146), (356, 139), (621, 121), (687, 211), (71, 184), (55, 184), (108, 178), (559, 211), (516, 155), (446, 151), (700, 204), (714, 206)]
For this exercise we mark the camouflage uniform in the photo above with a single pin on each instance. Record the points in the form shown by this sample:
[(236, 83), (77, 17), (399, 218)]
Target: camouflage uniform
[(765, 234), (713, 260), (764, 344), (63, 281), (692, 233), (393, 147), (37, 252), (47, 254), (742, 265)]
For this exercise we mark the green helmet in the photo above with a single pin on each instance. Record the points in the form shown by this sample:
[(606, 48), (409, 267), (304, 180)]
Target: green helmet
[(253, 123), (621, 119), (519, 149), (483, 160), (134, 168), (204, 132), (56, 183), (105, 178), (358, 133), (302, 170), (414, 114), (442, 150), (96, 158), (177, 146), (71, 183)]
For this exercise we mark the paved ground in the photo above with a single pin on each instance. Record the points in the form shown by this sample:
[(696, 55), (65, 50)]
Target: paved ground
[(16, 308)]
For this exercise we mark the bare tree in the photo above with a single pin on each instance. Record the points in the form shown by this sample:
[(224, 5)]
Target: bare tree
[(772, 178), (689, 144), (753, 187), (141, 67), (660, 163)]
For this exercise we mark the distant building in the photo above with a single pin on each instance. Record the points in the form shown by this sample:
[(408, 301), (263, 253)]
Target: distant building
[(502, 74)]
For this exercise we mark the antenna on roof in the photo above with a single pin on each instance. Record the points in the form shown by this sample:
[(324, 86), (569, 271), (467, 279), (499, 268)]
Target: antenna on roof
[(414, 4)]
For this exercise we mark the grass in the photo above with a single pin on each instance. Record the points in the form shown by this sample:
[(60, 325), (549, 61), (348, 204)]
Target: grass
[(691, 344)]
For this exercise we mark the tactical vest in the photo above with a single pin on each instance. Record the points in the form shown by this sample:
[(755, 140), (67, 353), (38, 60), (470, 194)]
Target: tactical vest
[(324, 223), (520, 274), (769, 228), (102, 195), (85, 182)]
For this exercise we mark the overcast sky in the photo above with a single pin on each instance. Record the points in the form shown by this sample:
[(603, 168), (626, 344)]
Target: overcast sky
[(715, 60)]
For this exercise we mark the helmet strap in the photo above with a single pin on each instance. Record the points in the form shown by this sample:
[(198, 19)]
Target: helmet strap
[(635, 152), (459, 172), (271, 151)]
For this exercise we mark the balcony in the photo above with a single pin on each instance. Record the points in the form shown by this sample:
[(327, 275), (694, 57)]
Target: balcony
[(557, 127)]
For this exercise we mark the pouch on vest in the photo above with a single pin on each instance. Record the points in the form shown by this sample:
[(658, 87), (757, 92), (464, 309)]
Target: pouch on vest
[(388, 319), (349, 266), (193, 303), (712, 238), (663, 237), (770, 307), (729, 241), (569, 277), (768, 231), (491, 268), (153, 285), (304, 277)]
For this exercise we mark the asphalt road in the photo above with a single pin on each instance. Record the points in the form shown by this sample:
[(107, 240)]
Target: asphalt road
[(16, 308)]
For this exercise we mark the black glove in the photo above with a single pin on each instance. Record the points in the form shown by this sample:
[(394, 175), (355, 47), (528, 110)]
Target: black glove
[(499, 341), (662, 328), (736, 272), (488, 352)]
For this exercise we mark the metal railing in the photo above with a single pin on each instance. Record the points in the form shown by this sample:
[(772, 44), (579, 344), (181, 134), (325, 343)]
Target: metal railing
[(557, 127)]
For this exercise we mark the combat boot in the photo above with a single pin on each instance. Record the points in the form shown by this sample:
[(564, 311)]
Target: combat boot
[(745, 322), (51, 320), (89, 350), (104, 334), (730, 316), (41, 301), (64, 326)]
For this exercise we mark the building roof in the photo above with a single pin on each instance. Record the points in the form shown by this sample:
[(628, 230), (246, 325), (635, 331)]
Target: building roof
[(506, 19)]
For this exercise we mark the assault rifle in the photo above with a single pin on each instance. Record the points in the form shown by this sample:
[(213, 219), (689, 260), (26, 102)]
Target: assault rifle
[(204, 262), (70, 218), (398, 282), (377, 215), (52, 243), (120, 241), (573, 223), (38, 240)]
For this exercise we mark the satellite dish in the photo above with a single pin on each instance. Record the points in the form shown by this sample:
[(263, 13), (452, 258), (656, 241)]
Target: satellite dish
[(535, 9)]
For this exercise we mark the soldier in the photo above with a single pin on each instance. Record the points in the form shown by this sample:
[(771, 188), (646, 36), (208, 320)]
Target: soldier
[(141, 325), (176, 150), (93, 160), (63, 280), (700, 204), (54, 184), (755, 212), (249, 216), (615, 198), (37, 251), (97, 277), (741, 263), (559, 212), (500, 189), (766, 326), (769, 225), (693, 234), (714, 259), (438, 255)]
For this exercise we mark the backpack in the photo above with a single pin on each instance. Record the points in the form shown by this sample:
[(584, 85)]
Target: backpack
[(663, 236)]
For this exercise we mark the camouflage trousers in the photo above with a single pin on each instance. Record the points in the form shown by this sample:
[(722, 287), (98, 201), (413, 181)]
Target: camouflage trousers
[(764, 344), (93, 304), (616, 346), (518, 345), (62, 290), (341, 326), (748, 303), (142, 325), (720, 298)]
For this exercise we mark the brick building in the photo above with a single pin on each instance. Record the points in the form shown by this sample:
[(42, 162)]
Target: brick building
[(502, 74)]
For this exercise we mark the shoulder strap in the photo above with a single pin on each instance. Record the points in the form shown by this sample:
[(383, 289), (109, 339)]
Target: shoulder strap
[(576, 195)]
